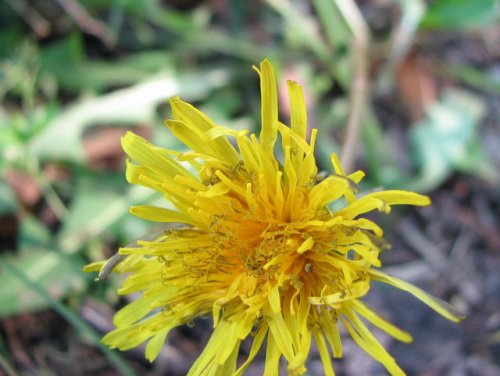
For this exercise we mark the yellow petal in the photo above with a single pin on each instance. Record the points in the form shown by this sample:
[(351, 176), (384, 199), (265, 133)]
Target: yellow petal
[(438, 305), (309, 169), (367, 341), (248, 153), (256, 345), (94, 266), (234, 186), (382, 201), (229, 366), (280, 334), (220, 131), (332, 333), (306, 245), (152, 157), (190, 115), (379, 322), (330, 189), (132, 312), (399, 197), (364, 224), (215, 190), (226, 341), (298, 111), (273, 355), (192, 137), (156, 214), (129, 337), (337, 167), (155, 344), (218, 350), (138, 282), (274, 299), (357, 290), (323, 352), (269, 106)]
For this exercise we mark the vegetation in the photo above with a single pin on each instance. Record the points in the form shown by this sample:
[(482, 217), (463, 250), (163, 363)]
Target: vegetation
[(406, 90)]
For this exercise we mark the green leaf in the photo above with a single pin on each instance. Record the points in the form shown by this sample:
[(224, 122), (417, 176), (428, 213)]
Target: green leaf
[(76, 74), (17, 129), (96, 209), (63, 54), (8, 202), (29, 285), (90, 214), (33, 234), (461, 14), (472, 76), (447, 139), (57, 274), (61, 139), (301, 30), (336, 29)]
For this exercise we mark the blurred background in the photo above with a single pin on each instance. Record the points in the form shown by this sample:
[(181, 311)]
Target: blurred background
[(407, 90)]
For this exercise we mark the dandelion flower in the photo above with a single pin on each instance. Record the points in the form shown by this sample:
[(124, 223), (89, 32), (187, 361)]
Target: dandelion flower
[(262, 249)]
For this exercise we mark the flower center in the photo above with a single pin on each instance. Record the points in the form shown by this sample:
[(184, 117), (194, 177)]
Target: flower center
[(260, 249)]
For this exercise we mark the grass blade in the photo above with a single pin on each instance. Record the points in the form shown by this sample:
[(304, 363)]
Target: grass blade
[(79, 324)]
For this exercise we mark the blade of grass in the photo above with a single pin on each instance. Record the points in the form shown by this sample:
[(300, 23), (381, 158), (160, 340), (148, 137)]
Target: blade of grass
[(72, 318), (358, 92), (237, 16), (474, 77), (87, 23), (379, 154), (30, 15), (219, 41), (336, 30), (402, 40), (303, 27), (50, 194), (7, 367)]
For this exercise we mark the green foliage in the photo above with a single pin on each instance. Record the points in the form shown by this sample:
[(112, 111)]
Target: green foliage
[(461, 14), (54, 91), (8, 204), (66, 63), (447, 140), (57, 274), (134, 105), (476, 78)]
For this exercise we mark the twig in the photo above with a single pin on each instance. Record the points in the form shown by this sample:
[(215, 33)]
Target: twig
[(457, 274), (49, 193), (402, 39), (40, 25), (414, 271), (466, 275), (423, 246), (16, 348), (85, 21), (72, 318), (7, 367), (53, 199), (359, 89)]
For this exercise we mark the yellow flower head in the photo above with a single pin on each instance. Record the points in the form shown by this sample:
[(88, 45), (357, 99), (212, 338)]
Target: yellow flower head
[(261, 249)]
